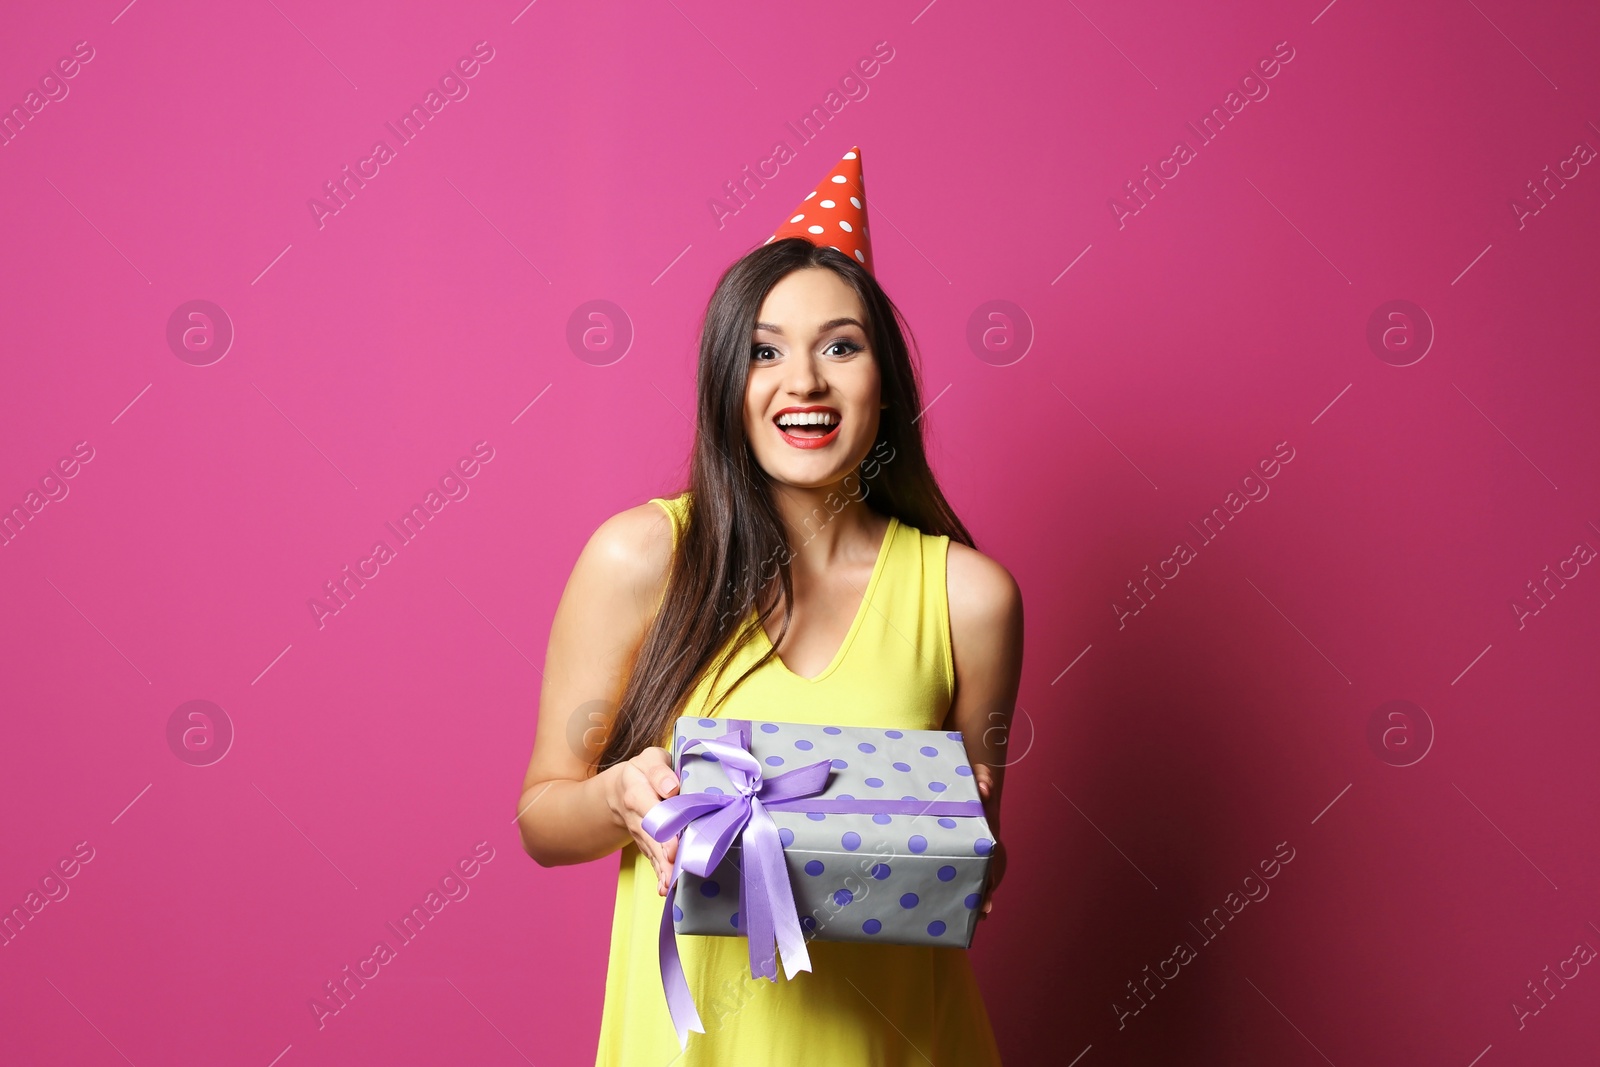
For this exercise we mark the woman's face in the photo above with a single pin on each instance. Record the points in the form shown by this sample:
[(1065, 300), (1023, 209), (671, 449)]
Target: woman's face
[(810, 351)]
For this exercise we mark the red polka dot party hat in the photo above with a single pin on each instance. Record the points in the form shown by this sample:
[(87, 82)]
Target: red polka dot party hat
[(834, 213)]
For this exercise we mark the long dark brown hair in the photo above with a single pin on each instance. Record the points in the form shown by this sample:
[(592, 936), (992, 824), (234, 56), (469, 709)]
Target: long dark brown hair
[(734, 546)]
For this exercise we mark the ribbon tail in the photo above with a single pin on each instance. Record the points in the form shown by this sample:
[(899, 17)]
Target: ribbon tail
[(680, 1001), (775, 917)]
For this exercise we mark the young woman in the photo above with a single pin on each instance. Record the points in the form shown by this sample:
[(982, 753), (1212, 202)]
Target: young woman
[(811, 572)]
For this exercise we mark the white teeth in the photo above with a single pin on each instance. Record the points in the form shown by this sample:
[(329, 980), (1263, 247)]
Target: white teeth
[(808, 418)]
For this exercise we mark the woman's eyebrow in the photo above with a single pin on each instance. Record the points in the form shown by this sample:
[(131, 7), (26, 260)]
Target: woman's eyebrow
[(824, 328)]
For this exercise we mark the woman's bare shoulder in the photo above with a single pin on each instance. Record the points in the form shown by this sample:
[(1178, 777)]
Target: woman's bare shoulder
[(634, 546), (981, 590)]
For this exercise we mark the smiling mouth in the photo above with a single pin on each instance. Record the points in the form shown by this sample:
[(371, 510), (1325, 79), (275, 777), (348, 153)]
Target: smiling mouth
[(809, 429)]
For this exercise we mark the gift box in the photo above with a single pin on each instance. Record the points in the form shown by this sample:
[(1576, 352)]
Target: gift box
[(794, 831)]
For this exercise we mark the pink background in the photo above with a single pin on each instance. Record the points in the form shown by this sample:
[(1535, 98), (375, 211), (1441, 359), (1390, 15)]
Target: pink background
[(1157, 760)]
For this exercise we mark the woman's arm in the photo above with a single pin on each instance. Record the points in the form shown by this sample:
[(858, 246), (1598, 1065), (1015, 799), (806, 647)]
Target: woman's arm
[(567, 813), (986, 641)]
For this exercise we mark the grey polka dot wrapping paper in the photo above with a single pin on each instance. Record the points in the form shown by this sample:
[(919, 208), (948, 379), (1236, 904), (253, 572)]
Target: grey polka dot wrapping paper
[(914, 879)]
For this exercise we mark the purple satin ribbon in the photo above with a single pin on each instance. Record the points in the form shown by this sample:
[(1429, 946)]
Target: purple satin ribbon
[(710, 822)]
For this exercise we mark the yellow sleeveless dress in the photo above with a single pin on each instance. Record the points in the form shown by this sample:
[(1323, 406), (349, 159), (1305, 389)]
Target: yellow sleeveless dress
[(860, 1004)]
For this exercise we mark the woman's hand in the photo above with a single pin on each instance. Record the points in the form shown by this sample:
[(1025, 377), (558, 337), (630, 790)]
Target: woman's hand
[(639, 785), (997, 855)]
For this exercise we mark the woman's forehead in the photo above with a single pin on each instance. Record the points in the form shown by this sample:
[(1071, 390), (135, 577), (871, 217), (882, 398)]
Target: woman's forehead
[(809, 300)]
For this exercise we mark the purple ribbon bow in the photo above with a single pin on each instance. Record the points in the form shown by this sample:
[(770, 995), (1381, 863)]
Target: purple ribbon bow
[(710, 822)]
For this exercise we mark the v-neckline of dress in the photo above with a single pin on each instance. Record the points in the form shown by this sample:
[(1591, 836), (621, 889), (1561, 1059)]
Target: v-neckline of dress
[(855, 624)]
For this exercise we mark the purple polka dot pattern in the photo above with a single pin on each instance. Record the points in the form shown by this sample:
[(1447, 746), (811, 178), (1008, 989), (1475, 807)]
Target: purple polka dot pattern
[(906, 878)]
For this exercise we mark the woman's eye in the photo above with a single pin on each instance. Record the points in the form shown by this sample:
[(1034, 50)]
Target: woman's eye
[(757, 352), (848, 346)]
